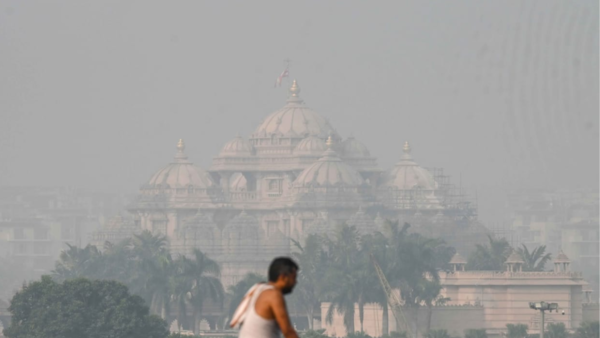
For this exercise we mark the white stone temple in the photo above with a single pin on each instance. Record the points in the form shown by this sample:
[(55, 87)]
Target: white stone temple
[(293, 176)]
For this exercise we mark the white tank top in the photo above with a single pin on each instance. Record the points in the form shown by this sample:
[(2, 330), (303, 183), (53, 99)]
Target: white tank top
[(255, 326)]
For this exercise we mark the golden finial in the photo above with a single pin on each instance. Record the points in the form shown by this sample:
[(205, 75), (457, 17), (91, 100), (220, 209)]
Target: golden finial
[(180, 146), (406, 147), (294, 89), (329, 142)]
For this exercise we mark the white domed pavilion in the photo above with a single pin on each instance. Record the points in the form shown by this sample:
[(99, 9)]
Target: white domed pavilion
[(294, 175)]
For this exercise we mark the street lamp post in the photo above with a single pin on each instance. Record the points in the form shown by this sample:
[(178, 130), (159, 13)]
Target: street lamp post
[(543, 307)]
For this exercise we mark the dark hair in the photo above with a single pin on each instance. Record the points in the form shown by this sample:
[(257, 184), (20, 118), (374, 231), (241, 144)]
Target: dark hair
[(281, 266)]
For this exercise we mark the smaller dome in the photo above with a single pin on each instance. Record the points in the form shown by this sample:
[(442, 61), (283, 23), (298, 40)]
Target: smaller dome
[(329, 170), (408, 175), (238, 147), (458, 259), (181, 173), (561, 258), (310, 146), (514, 258), (353, 148)]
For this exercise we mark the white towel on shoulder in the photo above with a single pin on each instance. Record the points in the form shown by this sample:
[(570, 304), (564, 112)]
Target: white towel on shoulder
[(240, 313)]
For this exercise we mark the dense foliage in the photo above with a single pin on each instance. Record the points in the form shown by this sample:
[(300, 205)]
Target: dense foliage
[(491, 256), (556, 330), (475, 333), (81, 308), (588, 330), (516, 330), (144, 264), (437, 334), (337, 269), (536, 259)]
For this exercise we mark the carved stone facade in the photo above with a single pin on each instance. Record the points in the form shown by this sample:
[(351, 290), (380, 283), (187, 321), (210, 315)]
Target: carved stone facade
[(294, 175)]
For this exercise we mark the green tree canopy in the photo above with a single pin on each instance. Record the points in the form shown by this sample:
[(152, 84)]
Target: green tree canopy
[(81, 308), (588, 330), (491, 256), (475, 333), (144, 264), (516, 330), (437, 334), (556, 330), (311, 258), (534, 260)]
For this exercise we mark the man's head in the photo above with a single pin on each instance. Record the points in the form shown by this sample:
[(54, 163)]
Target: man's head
[(282, 273)]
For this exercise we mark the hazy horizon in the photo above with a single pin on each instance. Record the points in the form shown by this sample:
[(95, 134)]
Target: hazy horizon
[(502, 95)]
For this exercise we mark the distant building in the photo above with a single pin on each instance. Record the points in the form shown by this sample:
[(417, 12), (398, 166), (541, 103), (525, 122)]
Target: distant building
[(489, 300), (294, 175), (36, 223), (560, 220)]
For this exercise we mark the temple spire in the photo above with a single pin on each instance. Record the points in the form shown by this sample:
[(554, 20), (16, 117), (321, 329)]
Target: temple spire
[(329, 142), (406, 148), (180, 156), (294, 89), (294, 93)]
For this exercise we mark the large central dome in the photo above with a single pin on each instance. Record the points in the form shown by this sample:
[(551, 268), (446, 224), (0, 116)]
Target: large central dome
[(295, 120)]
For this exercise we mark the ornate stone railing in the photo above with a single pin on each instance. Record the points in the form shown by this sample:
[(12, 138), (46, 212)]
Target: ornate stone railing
[(243, 196)]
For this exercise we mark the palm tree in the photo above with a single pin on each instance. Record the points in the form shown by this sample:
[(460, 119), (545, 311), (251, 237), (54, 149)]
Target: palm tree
[(119, 263), (204, 275), (534, 260), (430, 295), (377, 245), (179, 286), (343, 287), (419, 272), (157, 274), (147, 245), (77, 262), (154, 265), (312, 261), (491, 257)]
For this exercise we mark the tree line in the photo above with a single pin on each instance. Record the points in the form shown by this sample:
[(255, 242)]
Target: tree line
[(335, 268), (144, 264)]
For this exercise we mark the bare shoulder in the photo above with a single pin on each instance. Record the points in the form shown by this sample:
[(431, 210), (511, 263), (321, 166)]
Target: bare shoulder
[(269, 303), (272, 295)]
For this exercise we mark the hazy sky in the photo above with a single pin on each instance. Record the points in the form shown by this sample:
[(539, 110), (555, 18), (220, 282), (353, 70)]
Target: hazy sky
[(501, 93)]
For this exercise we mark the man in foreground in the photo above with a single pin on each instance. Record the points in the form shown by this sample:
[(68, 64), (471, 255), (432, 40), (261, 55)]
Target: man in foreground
[(263, 313)]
